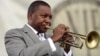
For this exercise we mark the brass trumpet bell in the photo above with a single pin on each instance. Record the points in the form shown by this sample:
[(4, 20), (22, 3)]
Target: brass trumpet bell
[(92, 39)]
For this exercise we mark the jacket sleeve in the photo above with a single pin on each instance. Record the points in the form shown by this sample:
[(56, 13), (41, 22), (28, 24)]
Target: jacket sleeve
[(16, 46)]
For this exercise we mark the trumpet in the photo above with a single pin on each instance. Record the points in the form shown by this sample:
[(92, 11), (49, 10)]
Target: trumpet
[(91, 40)]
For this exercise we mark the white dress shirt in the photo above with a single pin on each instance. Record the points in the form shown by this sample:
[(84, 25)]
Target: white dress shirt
[(68, 54), (42, 38)]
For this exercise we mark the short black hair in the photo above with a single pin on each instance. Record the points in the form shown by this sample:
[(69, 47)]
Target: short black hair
[(35, 5)]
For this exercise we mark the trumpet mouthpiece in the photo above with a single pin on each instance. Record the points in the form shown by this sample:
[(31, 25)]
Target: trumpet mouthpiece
[(48, 27)]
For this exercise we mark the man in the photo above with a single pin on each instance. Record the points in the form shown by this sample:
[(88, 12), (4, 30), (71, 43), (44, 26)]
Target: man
[(31, 40)]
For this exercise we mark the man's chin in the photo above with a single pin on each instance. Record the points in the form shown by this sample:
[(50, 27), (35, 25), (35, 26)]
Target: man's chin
[(43, 30)]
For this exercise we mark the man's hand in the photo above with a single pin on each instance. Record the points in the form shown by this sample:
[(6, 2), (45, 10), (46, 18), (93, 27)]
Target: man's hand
[(68, 38), (61, 32), (58, 32)]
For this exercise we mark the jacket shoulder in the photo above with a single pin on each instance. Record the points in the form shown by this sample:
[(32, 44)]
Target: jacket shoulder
[(14, 32)]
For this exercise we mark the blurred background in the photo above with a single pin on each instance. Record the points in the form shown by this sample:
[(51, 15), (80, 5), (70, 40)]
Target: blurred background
[(82, 16)]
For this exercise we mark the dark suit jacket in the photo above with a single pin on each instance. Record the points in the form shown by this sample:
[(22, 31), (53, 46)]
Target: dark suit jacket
[(23, 42)]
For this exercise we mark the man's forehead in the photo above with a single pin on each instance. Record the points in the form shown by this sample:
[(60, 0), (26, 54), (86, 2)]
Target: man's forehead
[(44, 9)]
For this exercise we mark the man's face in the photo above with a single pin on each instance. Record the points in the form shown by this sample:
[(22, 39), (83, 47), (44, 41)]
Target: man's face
[(41, 18)]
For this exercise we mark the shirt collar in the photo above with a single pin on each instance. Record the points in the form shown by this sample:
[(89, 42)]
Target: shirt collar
[(68, 54), (32, 29)]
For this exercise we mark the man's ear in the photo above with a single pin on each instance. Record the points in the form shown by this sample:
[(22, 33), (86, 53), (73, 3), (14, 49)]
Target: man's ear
[(29, 16)]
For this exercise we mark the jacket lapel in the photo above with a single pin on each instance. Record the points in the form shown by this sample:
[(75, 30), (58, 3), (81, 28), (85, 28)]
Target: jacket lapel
[(31, 34)]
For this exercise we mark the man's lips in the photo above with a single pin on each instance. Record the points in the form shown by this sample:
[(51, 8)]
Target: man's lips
[(44, 27)]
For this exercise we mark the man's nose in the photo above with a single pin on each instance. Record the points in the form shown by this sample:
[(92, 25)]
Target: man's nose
[(48, 20)]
